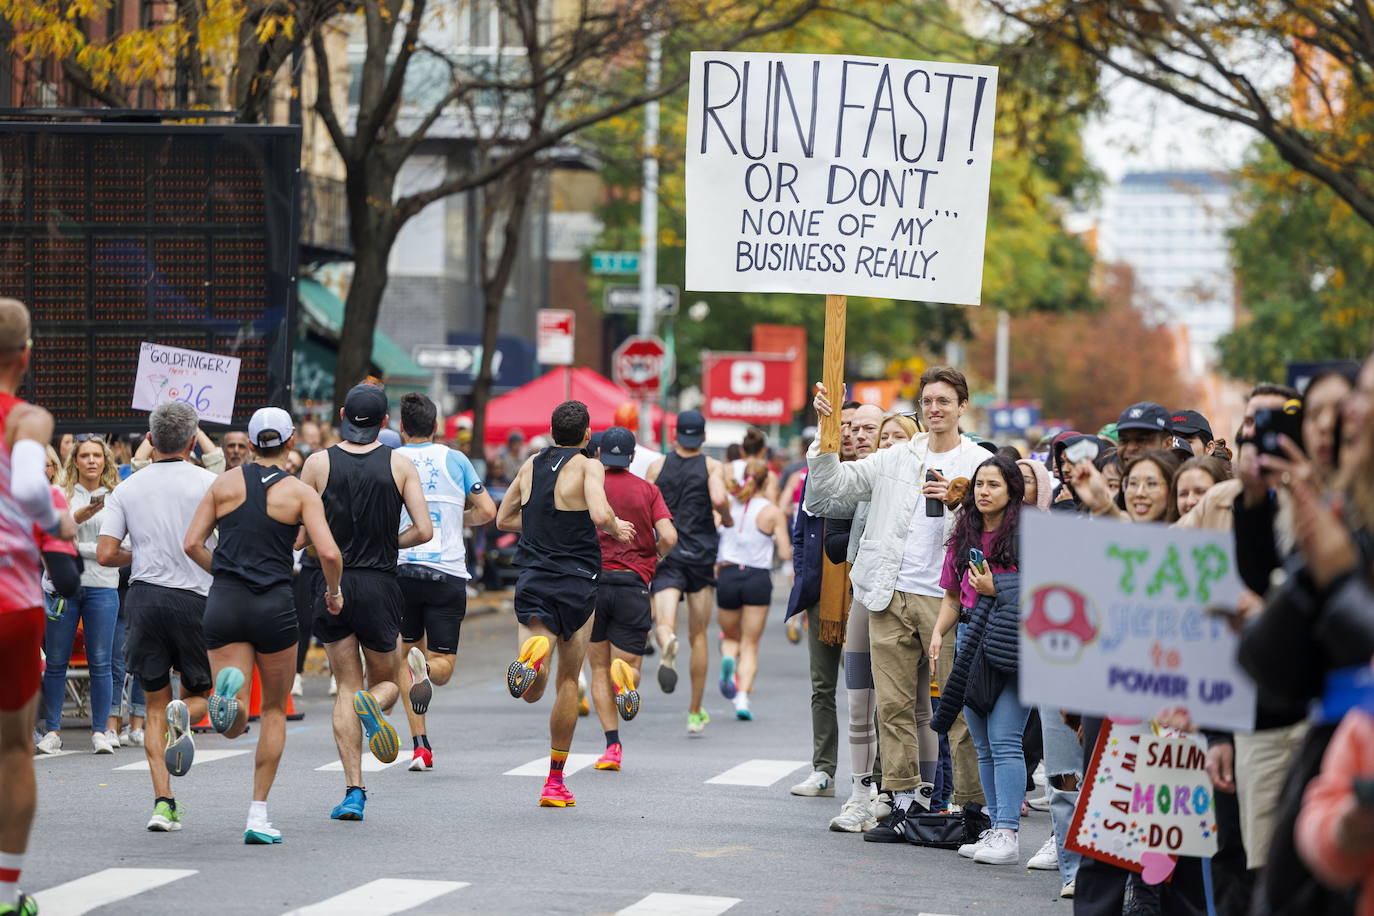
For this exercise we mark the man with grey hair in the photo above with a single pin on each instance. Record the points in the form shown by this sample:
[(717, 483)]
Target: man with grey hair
[(166, 599)]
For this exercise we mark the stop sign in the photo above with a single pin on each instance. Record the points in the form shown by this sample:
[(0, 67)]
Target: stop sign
[(637, 365)]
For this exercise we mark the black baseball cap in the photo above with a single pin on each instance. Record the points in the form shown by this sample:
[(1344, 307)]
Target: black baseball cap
[(1189, 423), (364, 409), (691, 429), (1145, 415), (618, 447)]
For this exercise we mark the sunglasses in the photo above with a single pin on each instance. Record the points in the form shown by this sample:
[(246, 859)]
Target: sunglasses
[(87, 437)]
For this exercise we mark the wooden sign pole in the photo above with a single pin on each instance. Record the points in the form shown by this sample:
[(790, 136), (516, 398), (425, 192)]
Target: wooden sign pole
[(832, 370)]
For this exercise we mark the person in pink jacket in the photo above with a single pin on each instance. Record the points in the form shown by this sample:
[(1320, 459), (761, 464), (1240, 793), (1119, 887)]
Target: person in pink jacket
[(1335, 831)]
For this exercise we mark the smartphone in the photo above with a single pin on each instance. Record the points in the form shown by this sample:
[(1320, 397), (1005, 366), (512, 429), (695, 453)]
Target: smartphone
[(98, 496), (976, 560), (1081, 448), (1269, 424)]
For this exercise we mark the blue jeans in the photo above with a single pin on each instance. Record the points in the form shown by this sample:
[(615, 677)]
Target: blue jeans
[(97, 609), (1063, 755), (1001, 764), (128, 691)]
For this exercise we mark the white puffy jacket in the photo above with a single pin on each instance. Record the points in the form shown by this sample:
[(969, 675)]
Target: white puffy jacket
[(890, 479)]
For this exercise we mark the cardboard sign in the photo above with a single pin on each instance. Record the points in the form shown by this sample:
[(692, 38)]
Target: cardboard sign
[(1115, 620), (833, 173), (205, 381), (1101, 825), (1172, 800)]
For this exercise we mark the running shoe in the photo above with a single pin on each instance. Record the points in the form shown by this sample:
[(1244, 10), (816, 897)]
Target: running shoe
[(351, 808), (224, 702), (1002, 848), (556, 795), (333, 686), (166, 818), (890, 830), (742, 711), (421, 690), (728, 686), (1047, 858), (697, 721), (26, 906), (181, 747), (381, 737), (50, 743), (297, 687), (583, 707), (667, 672), (262, 835), (422, 761), (524, 671), (818, 785), (100, 743), (856, 816), (626, 696), (609, 760)]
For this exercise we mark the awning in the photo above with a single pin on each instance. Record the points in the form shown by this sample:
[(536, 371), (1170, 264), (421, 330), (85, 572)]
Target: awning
[(528, 407), (326, 310)]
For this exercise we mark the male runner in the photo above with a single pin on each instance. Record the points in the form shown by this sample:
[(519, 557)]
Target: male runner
[(24, 499), (434, 575), (364, 485), (692, 485), (624, 617), (557, 501), (166, 599), (250, 613)]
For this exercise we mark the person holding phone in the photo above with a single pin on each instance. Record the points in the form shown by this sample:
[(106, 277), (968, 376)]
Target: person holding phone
[(90, 476), (982, 591)]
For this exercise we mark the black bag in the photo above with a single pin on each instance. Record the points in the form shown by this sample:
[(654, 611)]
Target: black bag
[(941, 831), (985, 684)]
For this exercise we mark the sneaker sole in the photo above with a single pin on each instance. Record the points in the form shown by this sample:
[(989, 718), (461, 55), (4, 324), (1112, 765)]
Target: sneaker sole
[(381, 737), (180, 755), (1013, 861), (421, 690), (347, 816), (224, 703), (667, 673), (164, 827), (1033, 865), (818, 793), (869, 838), (418, 766), (521, 674), (557, 803), (254, 838), (606, 765), (728, 688), (745, 715), (839, 828), (626, 696)]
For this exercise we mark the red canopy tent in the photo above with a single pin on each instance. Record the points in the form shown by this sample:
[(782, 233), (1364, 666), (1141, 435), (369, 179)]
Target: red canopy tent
[(528, 407)]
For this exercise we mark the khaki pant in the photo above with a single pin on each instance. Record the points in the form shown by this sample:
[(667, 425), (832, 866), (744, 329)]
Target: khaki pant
[(1262, 763), (898, 637)]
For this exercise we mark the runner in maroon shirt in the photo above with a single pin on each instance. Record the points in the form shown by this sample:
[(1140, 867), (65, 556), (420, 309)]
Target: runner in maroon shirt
[(624, 615)]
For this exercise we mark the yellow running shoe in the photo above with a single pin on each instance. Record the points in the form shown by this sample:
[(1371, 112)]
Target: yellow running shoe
[(626, 696), (381, 737), (523, 672)]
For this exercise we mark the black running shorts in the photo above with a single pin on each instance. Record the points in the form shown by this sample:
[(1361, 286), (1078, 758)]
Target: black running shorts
[(166, 631), (557, 601), (236, 613), (371, 612), (741, 585), (623, 613), (687, 578), (435, 604)]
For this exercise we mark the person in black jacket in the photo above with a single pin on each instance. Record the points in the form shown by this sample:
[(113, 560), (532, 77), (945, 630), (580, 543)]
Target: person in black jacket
[(984, 681)]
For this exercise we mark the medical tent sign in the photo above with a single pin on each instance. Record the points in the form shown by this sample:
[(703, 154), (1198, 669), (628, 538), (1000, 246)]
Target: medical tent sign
[(1123, 619), (207, 382), (839, 174)]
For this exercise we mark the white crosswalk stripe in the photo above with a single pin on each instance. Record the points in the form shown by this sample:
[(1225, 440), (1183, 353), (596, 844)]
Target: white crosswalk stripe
[(370, 765), (679, 905), (104, 887), (380, 898), (39, 758), (540, 766), (202, 757), (757, 773)]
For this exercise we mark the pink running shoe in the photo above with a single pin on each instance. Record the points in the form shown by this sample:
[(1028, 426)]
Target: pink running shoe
[(609, 760), (556, 795)]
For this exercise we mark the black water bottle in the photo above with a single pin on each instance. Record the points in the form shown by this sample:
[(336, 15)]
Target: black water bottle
[(934, 508)]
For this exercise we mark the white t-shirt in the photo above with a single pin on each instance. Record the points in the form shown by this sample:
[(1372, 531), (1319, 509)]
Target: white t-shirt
[(154, 508), (924, 555)]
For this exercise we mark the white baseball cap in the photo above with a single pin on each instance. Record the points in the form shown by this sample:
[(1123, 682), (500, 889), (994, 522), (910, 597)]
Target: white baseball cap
[(270, 427)]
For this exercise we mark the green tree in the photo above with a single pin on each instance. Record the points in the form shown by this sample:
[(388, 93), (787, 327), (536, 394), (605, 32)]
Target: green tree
[(1305, 264)]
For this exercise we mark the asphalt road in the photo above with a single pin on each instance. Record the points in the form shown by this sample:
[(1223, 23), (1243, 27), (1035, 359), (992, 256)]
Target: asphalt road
[(469, 837)]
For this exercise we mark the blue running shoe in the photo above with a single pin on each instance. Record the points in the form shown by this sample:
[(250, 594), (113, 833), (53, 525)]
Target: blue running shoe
[(728, 687), (224, 702), (381, 737), (351, 808)]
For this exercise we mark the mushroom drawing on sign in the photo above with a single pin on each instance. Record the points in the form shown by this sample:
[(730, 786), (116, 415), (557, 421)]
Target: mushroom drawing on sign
[(1060, 623)]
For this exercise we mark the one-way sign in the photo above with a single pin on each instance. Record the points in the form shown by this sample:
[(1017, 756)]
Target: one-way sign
[(458, 358), (625, 298)]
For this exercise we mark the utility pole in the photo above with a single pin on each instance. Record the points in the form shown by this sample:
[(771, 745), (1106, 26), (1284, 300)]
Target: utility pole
[(648, 219)]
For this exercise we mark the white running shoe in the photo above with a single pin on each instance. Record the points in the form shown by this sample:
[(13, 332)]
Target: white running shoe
[(1047, 859), (1066, 892), (969, 850), (100, 743), (50, 743), (297, 688), (125, 739), (745, 714), (855, 817), (881, 805), (333, 686), (818, 783), (1038, 803), (136, 737), (112, 736), (1002, 848)]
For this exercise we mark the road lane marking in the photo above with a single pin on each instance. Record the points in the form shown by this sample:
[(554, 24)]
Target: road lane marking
[(757, 773), (380, 898), (201, 757), (540, 766), (679, 905), (370, 765), (104, 887)]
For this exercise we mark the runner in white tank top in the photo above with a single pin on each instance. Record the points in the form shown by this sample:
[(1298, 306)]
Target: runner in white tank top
[(744, 588)]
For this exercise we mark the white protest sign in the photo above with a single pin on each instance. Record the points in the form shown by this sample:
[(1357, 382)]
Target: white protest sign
[(1114, 620), (1101, 827), (831, 173), (1172, 809), (206, 381)]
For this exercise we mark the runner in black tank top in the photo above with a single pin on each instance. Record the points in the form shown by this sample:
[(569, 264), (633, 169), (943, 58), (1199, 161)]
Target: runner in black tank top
[(364, 485), (555, 595), (250, 614), (693, 487)]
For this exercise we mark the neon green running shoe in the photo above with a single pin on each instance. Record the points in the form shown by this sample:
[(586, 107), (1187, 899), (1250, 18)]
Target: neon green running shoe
[(696, 722), (26, 906), (166, 817)]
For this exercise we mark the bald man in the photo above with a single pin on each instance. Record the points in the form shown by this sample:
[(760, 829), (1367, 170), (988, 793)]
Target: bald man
[(25, 500)]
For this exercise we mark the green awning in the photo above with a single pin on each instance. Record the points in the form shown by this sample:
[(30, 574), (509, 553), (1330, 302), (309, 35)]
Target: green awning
[(326, 310)]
